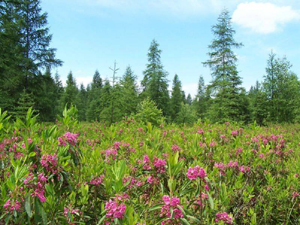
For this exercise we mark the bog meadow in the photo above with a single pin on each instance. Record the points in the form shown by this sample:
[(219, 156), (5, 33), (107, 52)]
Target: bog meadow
[(131, 150)]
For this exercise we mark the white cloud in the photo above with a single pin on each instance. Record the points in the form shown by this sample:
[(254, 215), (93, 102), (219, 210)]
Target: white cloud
[(83, 80), (263, 17), (178, 8), (190, 88)]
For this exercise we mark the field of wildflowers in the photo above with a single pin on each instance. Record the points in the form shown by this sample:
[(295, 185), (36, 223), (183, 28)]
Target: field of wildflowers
[(132, 173)]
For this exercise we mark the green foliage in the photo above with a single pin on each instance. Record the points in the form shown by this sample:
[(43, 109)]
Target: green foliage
[(282, 90), (69, 118), (25, 51), (154, 83), (4, 123), (222, 62), (128, 93), (186, 115), (25, 102), (176, 98), (70, 95), (135, 164), (149, 113)]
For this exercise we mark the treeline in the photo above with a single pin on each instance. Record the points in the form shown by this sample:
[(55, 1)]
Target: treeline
[(26, 62)]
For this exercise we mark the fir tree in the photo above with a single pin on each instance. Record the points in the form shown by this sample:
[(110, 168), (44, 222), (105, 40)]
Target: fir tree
[(94, 98), (24, 103), (129, 93), (154, 83), (281, 86), (200, 101), (176, 98), (222, 62), (70, 94)]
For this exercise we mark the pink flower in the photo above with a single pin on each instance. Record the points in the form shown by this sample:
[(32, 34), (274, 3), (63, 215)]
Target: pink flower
[(68, 137), (223, 217), (12, 205), (146, 159), (159, 165), (150, 179), (97, 181), (171, 203), (234, 133), (176, 148), (244, 169), (200, 131), (194, 172), (232, 164), (114, 209)]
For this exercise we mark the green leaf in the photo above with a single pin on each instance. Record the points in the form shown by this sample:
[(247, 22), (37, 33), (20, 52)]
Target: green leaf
[(185, 221), (28, 206)]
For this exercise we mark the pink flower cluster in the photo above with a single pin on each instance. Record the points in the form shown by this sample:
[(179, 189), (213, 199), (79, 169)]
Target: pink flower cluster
[(98, 180), (170, 203), (116, 145), (11, 205), (146, 162), (68, 211), (114, 210), (231, 164), (39, 187), (111, 152), (223, 217), (194, 172), (49, 162), (176, 148), (159, 165), (132, 182), (67, 138), (234, 133)]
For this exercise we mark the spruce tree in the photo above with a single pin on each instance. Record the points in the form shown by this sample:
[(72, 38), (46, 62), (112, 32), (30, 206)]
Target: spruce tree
[(11, 58), (129, 93), (281, 86), (35, 39), (176, 98), (70, 95), (189, 99), (200, 101), (94, 98), (24, 49), (222, 62), (82, 103), (24, 103), (155, 83)]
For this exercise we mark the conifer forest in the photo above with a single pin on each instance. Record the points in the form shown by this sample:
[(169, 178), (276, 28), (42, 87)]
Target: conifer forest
[(142, 151)]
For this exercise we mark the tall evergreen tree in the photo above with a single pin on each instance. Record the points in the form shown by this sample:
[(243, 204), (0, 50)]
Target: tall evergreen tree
[(176, 98), (105, 108), (189, 99), (46, 96), (94, 98), (281, 86), (24, 47), (258, 104), (154, 83), (35, 39), (129, 93), (11, 58), (69, 97), (226, 82), (82, 103), (200, 103)]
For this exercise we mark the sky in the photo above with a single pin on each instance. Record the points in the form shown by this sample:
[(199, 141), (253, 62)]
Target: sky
[(91, 35)]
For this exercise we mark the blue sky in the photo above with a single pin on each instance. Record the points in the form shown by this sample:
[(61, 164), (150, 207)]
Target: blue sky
[(92, 34)]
